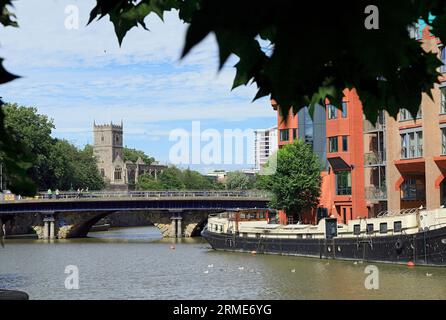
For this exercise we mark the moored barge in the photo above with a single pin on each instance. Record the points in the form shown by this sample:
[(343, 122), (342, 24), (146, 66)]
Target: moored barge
[(407, 236)]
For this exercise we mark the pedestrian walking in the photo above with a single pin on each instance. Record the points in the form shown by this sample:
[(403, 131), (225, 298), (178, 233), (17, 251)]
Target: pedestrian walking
[(57, 193), (50, 193)]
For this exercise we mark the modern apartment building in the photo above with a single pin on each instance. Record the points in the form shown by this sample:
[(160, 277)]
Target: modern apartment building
[(265, 144), (394, 164), (416, 148), (337, 137)]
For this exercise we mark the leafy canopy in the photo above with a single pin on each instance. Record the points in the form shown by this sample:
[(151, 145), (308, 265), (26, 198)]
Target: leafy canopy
[(53, 163), (296, 182), (314, 51)]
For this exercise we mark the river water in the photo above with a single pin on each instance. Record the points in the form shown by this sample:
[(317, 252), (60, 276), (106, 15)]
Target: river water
[(134, 263)]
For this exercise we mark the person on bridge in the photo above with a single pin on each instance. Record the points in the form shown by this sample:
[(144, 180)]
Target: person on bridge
[(57, 193), (50, 193)]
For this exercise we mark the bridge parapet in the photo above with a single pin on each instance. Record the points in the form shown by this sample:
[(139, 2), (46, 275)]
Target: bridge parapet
[(165, 194)]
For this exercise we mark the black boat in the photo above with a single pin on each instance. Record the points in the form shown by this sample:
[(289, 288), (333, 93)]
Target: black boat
[(405, 237)]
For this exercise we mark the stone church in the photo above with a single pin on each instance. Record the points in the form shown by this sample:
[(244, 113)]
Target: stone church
[(108, 151)]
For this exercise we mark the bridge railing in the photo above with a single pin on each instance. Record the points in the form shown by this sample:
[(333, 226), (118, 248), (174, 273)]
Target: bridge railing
[(154, 194)]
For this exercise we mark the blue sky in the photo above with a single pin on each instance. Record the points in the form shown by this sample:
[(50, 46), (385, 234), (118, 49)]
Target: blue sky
[(77, 76)]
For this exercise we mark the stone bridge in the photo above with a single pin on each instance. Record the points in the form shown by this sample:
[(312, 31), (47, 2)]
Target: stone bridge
[(71, 215)]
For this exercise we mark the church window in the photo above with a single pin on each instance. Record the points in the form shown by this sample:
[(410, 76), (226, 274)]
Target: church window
[(102, 173), (118, 173), (102, 138)]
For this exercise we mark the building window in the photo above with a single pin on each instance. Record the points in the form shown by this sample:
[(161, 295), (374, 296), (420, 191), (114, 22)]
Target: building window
[(284, 135), (406, 115), (443, 60), (397, 226), (333, 144), (344, 109), (369, 228), (343, 183), (411, 190), (356, 229), (443, 100), (443, 141), (294, 134), (117, 138), (383, 227), (118, 174), (102, 173), (331, 112), (411, 144), (344, 143), (102, 138)]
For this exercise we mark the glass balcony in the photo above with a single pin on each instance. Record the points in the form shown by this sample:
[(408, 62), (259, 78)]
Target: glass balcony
[(374, 158), (376, 193)]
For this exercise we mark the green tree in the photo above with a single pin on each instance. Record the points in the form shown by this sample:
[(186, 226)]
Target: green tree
[(133, 155), (339, 53), (193, 180), (55, 163), (147, 182), (287, 55), (171, 179), (32, 131), (296, 183), (238, 180)]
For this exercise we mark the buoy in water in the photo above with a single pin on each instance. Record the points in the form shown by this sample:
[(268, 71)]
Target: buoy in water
[(253, 252), (172, 247), (410, 264)]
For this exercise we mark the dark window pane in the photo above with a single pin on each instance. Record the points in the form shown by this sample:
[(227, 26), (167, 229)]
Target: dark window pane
[(356, 229), (397, 226), (383, 227), (344, 109), (369, 227), (344, 143)]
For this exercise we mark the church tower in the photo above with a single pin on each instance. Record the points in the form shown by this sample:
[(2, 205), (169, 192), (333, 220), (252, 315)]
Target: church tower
[(107, 149)]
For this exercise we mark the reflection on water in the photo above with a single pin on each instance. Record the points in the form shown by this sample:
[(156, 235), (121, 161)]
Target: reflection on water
[(135, 263)]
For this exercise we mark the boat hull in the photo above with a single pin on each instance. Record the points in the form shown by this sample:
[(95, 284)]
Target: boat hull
[(422, 248)]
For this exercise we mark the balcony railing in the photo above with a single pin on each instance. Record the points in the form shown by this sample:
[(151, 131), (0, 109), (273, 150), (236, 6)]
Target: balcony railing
[(378, 126), (412, 152), (344, 191), (374, 158), (376, 193)]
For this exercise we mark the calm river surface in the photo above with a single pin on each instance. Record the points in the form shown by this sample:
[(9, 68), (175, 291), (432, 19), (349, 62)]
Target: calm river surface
[(134, 263)]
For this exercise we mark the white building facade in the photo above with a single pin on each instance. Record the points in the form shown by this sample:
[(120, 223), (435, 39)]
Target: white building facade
[(265, 144)]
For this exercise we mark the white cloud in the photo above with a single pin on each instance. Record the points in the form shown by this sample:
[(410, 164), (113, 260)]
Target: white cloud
[(77, 76)]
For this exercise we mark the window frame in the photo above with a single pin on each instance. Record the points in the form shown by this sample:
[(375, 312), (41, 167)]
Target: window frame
[(347, 189), (344, 112), (381, 229), (287, 133), (330, 149), (332, 112), (400, 224), (344, 143)]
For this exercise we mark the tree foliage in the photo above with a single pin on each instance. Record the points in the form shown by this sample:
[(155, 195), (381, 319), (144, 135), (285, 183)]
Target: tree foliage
[(54, 163), (311, 56), (297, 55), (174, 178), (237, 180), (296, 183), (133, 155)]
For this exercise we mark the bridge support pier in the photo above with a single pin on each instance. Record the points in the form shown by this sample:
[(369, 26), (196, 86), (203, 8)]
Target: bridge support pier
[(48, 228), (176, 228)]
